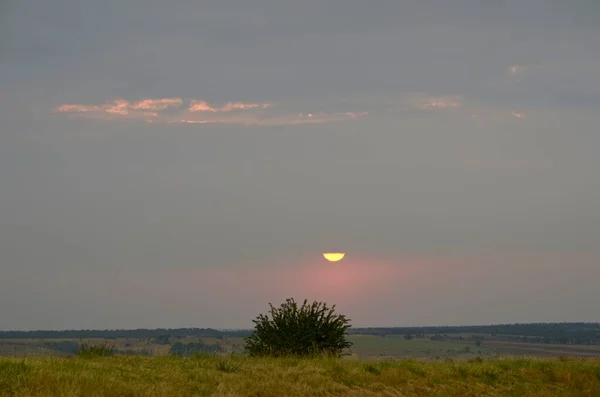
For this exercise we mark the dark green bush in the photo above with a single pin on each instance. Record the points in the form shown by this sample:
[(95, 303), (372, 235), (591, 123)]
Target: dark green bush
[(90, 351), (310, 330)]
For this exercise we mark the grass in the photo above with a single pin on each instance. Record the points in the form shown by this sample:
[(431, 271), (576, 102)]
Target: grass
[(368, 347), (229, 366), (393, 346), (265, 377)]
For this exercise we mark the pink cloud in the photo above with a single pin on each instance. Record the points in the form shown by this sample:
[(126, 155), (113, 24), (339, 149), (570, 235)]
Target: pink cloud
[(118, 107), (78, 108), (198, 111), (197, 105), (518, 115), (158, 104), (122, 107), (200, 106)]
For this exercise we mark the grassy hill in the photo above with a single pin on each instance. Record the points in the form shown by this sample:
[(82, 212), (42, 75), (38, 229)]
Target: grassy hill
[(242, 376)]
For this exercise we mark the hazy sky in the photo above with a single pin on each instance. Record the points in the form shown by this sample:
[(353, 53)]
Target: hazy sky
[(184, 163)]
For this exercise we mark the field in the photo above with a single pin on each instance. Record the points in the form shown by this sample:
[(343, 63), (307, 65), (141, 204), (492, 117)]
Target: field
[(366, 347), (166, 376), (543, 350), (376, 365)]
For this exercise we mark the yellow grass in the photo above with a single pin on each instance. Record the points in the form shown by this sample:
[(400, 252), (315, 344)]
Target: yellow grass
[(242, 376)]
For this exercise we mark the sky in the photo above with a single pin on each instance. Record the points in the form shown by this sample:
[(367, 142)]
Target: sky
[(185, 163)]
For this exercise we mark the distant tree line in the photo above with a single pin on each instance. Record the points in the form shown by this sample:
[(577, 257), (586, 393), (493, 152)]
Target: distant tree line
[(559, 333), (555, 333), (125, 333)]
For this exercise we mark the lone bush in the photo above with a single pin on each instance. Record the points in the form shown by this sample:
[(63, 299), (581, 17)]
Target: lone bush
[(310, 330), (87, 350)]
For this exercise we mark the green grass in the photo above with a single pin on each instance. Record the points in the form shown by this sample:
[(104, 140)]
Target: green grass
[(243, 376), (366, 347)]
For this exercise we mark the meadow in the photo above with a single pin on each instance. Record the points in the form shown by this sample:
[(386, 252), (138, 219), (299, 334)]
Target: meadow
[(233, 376), (205, 362), (365, 347), (371, 347)]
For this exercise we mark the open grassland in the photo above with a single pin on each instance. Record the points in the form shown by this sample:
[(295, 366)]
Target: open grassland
[(243, 376), (377, 347), (365, 347), (543, 350)]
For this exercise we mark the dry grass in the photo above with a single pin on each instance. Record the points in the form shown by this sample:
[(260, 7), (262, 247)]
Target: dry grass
[(243, 376)]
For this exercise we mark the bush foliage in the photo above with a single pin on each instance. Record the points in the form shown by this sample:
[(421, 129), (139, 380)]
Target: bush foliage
[(309, 330), (91, 351)]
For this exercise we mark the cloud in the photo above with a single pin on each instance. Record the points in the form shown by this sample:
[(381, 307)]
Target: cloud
[(122, 108), (78, 108), (197, 111), (158, 104), (203, 106), (425, 102)]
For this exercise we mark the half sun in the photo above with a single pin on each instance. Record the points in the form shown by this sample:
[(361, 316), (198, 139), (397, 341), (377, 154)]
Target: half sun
[(334, 256)]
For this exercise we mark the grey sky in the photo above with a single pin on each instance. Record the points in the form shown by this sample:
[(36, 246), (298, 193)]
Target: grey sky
[(449, 147)]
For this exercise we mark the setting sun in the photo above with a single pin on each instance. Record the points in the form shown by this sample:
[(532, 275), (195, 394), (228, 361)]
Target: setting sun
[(334, 256)]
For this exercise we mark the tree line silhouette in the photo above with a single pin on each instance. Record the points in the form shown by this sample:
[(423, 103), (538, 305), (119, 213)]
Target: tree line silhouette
[(556, 333)]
